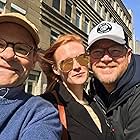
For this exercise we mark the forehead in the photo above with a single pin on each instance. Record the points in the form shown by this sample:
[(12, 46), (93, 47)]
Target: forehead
[(15, 33), (69, 50), (104, 43)]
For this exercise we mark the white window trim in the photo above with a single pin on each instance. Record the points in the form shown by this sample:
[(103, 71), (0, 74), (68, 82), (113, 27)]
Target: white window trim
[(88, 24), (78, 9), (3, 1), (21, 10)]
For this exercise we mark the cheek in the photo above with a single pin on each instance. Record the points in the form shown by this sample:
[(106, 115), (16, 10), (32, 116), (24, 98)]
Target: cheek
[(27, 64), (86, 70), (93, 61), (123, 64), (68, 77), (93, 64)]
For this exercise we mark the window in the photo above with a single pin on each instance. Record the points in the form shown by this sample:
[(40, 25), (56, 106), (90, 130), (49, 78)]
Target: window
[(111, 2), (31, 82), (30, 86), (54, 35), (2, 5), (86, 25), (88, 1), (130, 25), (92, 26), (16, 8), (127, 22), (126, 38), (118, 9), (122, 14), (78, 18), (56, 4), (68, 9), (124, 19), (104, 14), (99, 8), (92, 3), (110, 17)]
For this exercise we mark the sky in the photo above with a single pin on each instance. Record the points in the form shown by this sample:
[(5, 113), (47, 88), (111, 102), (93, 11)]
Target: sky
[(134, 5)]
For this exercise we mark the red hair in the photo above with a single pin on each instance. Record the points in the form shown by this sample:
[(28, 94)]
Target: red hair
[(47, 60)]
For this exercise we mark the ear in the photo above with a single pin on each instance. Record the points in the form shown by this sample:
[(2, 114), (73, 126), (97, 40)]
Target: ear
[(55, 70), (89, 64), (129, 55), (34, 61)]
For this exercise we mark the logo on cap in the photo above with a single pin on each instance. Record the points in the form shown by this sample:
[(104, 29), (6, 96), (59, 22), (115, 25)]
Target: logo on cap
[(104, 28)]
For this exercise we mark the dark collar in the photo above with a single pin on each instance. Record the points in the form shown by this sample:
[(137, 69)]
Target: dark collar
[(11, 92), (65, 95)]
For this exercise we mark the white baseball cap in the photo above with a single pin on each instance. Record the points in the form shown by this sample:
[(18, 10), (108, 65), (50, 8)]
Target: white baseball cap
[(106, 30)]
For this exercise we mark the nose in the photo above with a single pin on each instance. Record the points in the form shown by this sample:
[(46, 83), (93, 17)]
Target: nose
[(76, 66), (106, 57), (8, 54)]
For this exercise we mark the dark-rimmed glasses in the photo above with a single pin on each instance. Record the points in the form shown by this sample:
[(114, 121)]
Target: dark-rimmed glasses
[(67, 64), (20, 49), (113, 51)]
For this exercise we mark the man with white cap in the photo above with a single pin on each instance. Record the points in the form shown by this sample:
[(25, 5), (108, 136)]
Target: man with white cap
[(116, 80), (22, 116)]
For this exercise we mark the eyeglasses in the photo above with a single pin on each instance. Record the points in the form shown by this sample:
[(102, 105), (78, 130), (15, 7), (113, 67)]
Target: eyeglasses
[(20, 49), (67, 64), (114, 51)]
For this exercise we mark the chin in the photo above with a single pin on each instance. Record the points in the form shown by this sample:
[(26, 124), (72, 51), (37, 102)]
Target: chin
[(78, 82), (107, 80)]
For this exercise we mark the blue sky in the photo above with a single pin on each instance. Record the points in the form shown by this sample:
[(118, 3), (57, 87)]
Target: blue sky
[(134, 5)]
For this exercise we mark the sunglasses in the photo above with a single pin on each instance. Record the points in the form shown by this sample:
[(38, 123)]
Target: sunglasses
[(67, 64)]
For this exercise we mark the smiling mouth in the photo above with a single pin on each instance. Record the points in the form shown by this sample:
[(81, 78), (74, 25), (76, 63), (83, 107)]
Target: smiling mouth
[(106, 67)]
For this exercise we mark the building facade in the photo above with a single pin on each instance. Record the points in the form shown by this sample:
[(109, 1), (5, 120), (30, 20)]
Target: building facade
[(137, 49), (55, 17)]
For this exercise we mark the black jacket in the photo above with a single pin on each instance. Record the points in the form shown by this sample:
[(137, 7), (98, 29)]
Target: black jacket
[(80, 125), (122, 106)]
